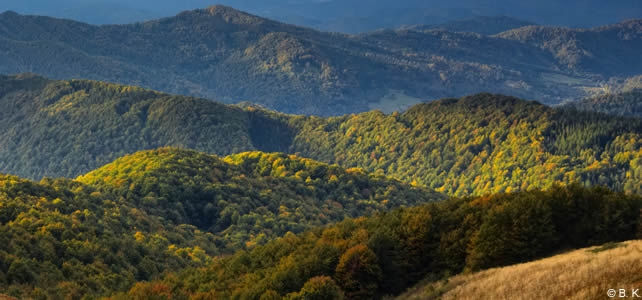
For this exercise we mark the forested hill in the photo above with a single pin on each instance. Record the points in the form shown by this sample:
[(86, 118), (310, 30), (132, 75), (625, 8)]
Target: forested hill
[(483, 144), (224, 54), (252, 197), (87, 124), (167, 209), (474, 145)]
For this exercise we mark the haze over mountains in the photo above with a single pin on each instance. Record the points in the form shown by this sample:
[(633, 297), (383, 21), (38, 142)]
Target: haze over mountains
[(344, 16), (227, 55)]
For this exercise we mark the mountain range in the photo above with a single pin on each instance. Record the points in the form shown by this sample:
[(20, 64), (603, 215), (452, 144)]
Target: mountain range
[(223, 54), (349, 16), (474, 145), (221, 155)]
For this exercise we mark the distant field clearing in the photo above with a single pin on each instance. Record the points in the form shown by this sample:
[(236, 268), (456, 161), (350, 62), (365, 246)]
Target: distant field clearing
[(394, 101), (582, 274)]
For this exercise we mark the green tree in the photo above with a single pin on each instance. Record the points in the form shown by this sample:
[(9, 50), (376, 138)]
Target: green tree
[(358, 272)]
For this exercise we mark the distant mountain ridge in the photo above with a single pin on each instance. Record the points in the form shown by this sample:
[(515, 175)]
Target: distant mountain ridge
[(227, 55), (584, 49), (474, 145), (352, 16)]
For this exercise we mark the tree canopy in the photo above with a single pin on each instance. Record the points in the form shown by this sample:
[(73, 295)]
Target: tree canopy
[(167, 209)]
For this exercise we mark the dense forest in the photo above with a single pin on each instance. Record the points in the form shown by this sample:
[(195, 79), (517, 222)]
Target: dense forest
[(168, 209), (68, 128), (367, 258), (475, 145), (63, 238), (482, 144), (224, 54), (254, 196)]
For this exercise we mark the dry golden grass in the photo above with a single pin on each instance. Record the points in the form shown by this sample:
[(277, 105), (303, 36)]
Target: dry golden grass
[(582, 274)]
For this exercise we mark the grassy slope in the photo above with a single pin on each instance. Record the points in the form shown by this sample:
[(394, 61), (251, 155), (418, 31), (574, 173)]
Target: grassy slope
[(581, 274)]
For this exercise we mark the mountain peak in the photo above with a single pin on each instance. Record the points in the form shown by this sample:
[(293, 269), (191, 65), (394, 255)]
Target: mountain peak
[(223, 9), (229, 15), (9, 13), (224, 18)]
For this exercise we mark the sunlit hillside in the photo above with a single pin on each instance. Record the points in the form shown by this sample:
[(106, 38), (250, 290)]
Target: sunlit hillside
[(582, 274)]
